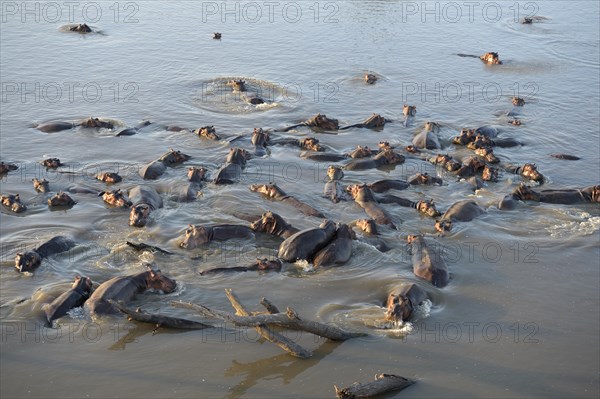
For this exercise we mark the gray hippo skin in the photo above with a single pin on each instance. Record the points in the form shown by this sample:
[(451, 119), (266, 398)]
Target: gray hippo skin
[(235, 163), (272, 223), (198, 235), (306, 243), (272, 191), (145, 200), (30, 260), (386, 157), (402, 301), (262, 265), (125, 288), (338, 251), (427, 264), (73, 298), (363, 196)]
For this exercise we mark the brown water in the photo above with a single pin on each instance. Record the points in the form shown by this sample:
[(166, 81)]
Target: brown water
[(520, 317)]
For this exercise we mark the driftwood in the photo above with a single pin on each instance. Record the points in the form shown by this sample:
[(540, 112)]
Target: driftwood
[(383, 383), (160, 320), (289, 319)]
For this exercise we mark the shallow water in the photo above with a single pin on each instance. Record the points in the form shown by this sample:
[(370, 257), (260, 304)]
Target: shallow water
[(520, 317)]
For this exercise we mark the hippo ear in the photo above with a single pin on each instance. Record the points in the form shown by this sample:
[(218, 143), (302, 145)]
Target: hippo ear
[(101, 193)]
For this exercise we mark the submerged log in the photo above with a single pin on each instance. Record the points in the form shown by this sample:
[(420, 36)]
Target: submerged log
[(383, 383)]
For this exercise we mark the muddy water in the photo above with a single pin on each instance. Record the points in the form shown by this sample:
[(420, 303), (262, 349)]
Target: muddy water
[(520, 315)]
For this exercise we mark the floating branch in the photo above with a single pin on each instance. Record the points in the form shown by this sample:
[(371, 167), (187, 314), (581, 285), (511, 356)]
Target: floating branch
[(383, 383)]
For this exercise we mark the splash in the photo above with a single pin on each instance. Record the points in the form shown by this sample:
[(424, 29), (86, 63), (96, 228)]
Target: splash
[(583, 225)]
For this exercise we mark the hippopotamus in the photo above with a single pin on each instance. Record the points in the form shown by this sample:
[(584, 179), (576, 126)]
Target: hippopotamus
[(323, 156), (564, 196), (445, 161), (482, 141), (196, 174), (424, 179), (333, 188), (80, 28), (386, 157), (237, 85), (364, 197), (491, 58), (272, 191), (262, 265), (427, 263), (272, 223), (199, 235), (13, 202), (470, 167), (528, 171), (462, 211), (260, 140), (141, 247), (125, 288), (80, 291), (335, 172), (370, 233), (115, 198), (30, 260), (52, 163), (381, 186), (109, 177), (130, 131), (207, 132), (374, 121), (338, 251), (409, 110), (7, 167), (307, 143), (402, 301), (155, 169), (41, 186), (370, 78), (306, 243), (145, 200), (54, 127), (566, 157), (426, 139), (234, 164), (515, 122), (517, 101), (96, 123), (487, 154), (61, 199), (217, 35), (423, 206), (318, 121)]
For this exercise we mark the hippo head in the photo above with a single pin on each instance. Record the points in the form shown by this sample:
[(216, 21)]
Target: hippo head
[(259, 137), (427, 208), (311, 144), (443, 225), (13, 202), (208, 132), (491, 58), (361, 152), (360, 192), (409, 110), (83, 285), (465, 137), (375, 120), (412, 238), (80, 28), (487, 154), (174, 157), (412, 149), (216, 35), (384, 145), (399, 308), (334, 173), (529, 170), (525, 193), (96, 123), (518, 101), (158, 281), (432, 126), (452, 166), (441, 159), (266, 264), (421, 178), (271, 190), (109, 177), (596, 194), (28, 261), (324, 122), (238, 156), (40, 185), (61, 199), (116, 198), (345, 231), (51, 163), (391, 157), (515, 122), (489, 173), (368, 226), (196, 174), (195, 236), (475, 163), (370, 78), (138, 217), (268, 223), (237, 85), (480, 141), (527, 20)]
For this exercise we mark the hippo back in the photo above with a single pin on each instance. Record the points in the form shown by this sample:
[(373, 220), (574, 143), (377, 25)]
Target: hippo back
[(145, 195), (463, 211), (305, 243), (55, 246), (122, 288)]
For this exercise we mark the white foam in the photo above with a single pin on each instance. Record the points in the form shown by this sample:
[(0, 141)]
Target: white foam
[(583, 225)]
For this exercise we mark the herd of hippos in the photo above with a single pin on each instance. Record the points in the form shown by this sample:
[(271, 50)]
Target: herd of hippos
[(329, 244)]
